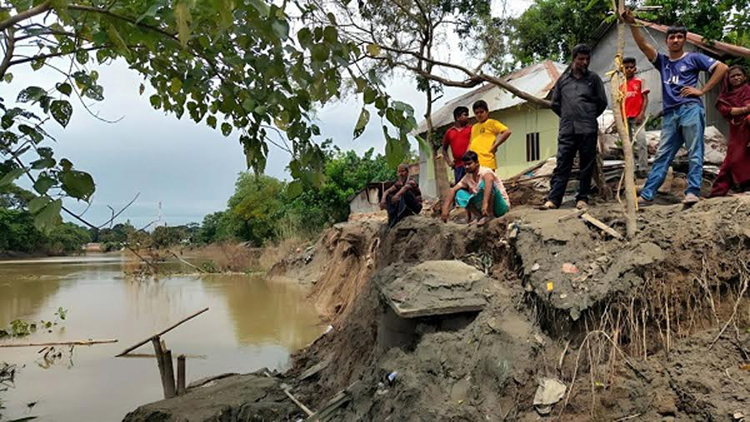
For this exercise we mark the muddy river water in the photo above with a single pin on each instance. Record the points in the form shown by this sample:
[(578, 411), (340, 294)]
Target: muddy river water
[(252, 323)]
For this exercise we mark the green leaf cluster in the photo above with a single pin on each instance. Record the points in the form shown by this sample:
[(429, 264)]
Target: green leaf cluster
[(19, 233), (263, 209), (234, 65)]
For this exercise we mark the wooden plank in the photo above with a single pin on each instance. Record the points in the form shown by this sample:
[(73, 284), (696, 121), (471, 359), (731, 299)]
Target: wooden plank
[(327, 410), (315, 369), (285, 388), (526, 171), (61, 343), (601, 226), (572, 215), (170, 328)]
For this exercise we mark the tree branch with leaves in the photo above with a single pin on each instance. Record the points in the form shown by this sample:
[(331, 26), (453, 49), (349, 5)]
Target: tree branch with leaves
[(232, 65)]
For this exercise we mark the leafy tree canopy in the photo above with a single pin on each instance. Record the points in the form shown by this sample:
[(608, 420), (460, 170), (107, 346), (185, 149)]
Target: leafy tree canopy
[(236, 66), (264, 209), (551, 28)]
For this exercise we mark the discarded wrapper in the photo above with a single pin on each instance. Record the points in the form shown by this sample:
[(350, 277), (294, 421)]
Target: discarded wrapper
[(549, 392)]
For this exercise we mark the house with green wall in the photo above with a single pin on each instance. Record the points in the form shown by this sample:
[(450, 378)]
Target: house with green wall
[(534, 130)]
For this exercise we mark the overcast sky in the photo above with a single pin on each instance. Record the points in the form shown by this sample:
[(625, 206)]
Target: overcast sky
[(188, 167)]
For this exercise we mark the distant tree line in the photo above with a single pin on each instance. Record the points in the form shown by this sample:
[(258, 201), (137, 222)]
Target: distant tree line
[(261, 210), (18, 234), (264, 209)]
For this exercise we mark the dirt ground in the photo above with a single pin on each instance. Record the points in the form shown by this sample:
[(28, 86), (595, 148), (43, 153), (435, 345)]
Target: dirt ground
[(654, 328)]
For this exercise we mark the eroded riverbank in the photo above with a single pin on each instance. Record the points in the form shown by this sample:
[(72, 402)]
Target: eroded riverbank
[(649, 329)]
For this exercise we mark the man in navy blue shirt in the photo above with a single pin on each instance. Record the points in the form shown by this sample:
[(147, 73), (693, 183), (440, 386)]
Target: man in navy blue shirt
[(684, 117)]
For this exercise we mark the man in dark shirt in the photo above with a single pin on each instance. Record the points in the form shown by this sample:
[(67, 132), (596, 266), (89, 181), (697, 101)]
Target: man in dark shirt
[(578, 99)]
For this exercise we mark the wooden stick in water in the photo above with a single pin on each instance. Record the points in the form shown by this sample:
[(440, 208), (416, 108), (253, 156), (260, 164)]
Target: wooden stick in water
[(151, 356), (180, 375), (142, 342), (169, 374), (162, 363), (61, 343)]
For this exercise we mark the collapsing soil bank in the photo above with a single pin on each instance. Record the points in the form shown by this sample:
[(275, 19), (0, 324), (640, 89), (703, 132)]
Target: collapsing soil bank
[(628, 329)]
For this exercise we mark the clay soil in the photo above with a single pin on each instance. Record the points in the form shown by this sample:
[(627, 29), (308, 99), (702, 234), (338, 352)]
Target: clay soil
[(654, 328)]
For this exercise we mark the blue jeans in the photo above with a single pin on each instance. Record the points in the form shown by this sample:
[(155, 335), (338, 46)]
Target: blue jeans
[(683, 125), (458, 173)]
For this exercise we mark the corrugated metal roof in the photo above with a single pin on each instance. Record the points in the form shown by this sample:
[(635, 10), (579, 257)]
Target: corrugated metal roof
[(537, 80)]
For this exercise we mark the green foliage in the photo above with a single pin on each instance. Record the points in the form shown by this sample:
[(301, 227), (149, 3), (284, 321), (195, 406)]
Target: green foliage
[(215, 227), (21, 328), (254, 207), (18, 233), (716, 20), (166, 236), (66, 238), (231, 64), (549, 29), (264, 209), (112, 238)]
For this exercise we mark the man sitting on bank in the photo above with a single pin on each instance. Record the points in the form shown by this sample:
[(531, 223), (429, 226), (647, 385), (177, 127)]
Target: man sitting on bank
[(403, 198), (480, 191)]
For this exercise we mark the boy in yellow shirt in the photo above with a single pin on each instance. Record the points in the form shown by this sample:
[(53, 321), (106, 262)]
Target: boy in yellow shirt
[(487, 135)]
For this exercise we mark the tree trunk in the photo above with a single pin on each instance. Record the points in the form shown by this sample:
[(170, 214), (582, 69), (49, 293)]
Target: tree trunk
[(441, 178), (622, 128)]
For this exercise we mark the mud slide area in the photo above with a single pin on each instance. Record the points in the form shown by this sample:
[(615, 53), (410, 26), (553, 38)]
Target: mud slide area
[(539, 315)]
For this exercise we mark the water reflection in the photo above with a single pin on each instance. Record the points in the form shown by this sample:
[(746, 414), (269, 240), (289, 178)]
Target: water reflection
[(255, 307), (250, 324)]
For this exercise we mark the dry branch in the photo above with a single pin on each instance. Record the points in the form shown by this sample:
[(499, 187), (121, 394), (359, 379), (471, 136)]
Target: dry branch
[(600, 225), (61, 343), (188, 264)]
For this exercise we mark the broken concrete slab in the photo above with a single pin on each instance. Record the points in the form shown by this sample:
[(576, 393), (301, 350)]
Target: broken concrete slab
[(432, 288)]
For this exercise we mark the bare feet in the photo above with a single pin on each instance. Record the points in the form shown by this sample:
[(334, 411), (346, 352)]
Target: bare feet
[(643, 202), (582, 205), (690, 198), (549, 205)]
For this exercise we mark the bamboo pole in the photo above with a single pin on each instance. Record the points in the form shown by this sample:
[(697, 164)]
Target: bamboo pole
[(618, 103), (180, 375), (169, 375), (61, 343), (152, 356), (161, 361), (298, 403), (172, 327)]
